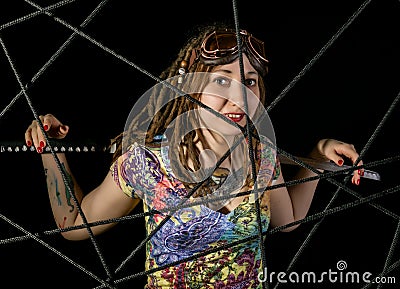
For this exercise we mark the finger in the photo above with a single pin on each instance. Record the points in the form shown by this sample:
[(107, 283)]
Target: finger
[(40, 135), (335, 157), (49, 121), (63, 130), (352, 154), (356, 179), (54, 127), (349, 151), (358, 173), (50, 126), (34, 133), (28, 136)]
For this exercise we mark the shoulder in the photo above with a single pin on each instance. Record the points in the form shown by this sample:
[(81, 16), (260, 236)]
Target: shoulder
[(268, 158), (267, 149), (138, 166)]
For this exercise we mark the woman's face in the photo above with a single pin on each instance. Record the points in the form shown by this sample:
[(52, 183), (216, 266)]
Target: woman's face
[(224, 94)]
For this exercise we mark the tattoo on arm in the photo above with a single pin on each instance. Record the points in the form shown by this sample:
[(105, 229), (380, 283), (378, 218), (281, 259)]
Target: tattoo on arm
[(68, 194), (52, 181)]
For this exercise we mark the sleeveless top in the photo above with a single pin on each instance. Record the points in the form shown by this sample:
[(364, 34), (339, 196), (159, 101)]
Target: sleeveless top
[(193, 247)]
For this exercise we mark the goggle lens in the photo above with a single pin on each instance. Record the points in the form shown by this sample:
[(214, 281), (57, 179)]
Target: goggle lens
[(220, 44)]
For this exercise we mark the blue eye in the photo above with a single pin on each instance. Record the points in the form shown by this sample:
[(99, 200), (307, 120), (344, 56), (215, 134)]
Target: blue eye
[(223, 81)]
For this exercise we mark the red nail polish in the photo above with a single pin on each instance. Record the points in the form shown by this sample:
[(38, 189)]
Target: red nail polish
[(361, 172), (41, 144), (340, 162), (39, 150), (358, 182), (46, 127), (28, 143)]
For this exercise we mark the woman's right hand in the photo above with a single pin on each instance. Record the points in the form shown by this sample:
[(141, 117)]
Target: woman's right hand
[(53, 127)]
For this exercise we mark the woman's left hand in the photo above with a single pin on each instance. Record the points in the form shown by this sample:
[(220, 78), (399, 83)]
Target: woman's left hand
[(336, 151)]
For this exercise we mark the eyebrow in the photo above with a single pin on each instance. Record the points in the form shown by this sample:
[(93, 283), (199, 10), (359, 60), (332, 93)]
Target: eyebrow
[(251, 72)]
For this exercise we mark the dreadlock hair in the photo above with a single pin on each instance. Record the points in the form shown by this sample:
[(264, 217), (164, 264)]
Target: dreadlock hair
[(160, 116)]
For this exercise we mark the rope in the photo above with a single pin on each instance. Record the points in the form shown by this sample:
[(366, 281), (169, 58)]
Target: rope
[(321, 215), (317, 56), (58, 163), (250, 142)]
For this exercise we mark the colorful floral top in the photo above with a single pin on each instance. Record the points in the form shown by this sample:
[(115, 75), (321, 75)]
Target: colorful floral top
[(192, 230)]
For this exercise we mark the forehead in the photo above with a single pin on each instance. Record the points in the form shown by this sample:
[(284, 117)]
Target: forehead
[(234, 66)]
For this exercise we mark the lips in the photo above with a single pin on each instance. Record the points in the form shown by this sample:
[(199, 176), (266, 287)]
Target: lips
[(236, 117)]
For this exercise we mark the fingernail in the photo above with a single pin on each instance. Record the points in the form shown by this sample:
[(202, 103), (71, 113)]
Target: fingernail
[(46, 127), (28, 143), (361, 172), (39, 150), (340, 162), (358, 182), (41, 144)]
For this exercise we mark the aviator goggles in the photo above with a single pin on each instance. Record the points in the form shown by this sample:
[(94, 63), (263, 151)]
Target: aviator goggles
[(221, 47)]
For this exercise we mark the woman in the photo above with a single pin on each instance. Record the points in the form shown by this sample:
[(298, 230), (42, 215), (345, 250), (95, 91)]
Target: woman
[(173, 156)]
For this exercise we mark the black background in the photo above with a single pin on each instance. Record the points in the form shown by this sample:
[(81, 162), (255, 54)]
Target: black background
[(346, 94)]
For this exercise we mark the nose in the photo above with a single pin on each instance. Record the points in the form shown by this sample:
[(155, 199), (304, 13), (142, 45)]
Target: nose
[(236, 95)]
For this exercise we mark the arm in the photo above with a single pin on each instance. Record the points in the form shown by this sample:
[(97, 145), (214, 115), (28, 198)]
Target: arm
[(104, 202), (289, 204)]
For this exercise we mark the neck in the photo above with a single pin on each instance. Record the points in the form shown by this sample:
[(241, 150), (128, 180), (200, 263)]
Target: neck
[(219, 145)]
